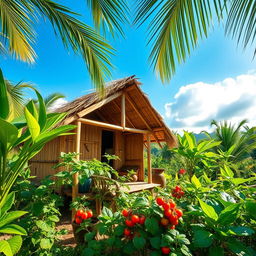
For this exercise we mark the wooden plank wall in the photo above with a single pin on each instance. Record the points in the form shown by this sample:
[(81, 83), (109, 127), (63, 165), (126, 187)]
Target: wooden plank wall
[(134, 152), (119, 149), (41, 164)]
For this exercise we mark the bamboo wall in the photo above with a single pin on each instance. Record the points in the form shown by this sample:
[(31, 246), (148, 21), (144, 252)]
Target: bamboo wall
[(129, 148)]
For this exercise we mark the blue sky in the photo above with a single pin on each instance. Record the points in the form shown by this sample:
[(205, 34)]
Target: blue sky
[(57, 70)]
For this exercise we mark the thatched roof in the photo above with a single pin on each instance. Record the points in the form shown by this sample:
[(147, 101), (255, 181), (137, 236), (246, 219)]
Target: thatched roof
[(108, 110)]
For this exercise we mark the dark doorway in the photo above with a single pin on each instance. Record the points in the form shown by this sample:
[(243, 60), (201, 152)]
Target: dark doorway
[(107, 145)]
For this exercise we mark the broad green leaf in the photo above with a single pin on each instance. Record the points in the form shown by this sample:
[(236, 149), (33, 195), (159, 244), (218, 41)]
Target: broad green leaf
[(216, 251), (43, 225), (208, 210), (190, 139), (42, 110), (4, 102), (229, 214), (140, 202), (251, 209), (239, 248), (196, 181), (7, 203), (15, 243), (155, 242), (238, 181), (88, 252), (5, 248), (8, 136), (241, 231), (32, 109), (32, 123), (107, 212), (202, 238), (13, 229), (152, 225), (10, 216), (139, 242), (46, 243), (226, 172)]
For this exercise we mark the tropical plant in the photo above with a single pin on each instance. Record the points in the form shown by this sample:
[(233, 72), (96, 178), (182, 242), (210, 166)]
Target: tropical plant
[(18, 20), (195, 153), (13, 232), (52, 98), (176, 26), (236, 142), (19, 142)]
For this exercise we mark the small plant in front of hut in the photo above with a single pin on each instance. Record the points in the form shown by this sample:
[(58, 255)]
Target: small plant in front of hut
[(83, 214), (177, 192)]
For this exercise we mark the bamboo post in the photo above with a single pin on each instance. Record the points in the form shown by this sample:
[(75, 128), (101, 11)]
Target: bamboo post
[(149, 159), (75, 176), (123, 124)]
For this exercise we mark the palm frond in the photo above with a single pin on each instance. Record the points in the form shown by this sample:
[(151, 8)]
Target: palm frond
[(81, 38), (16, 31), (50, 99), (109, 15), (241, 21), (175, 29)]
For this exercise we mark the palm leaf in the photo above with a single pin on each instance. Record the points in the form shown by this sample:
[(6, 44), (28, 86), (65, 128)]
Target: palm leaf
[(81, 38), (241, 21), (109, 14), (16, 30), (175, 29), (50, 99)]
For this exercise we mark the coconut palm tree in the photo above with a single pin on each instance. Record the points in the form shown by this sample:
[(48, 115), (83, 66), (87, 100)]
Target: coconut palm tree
[(238, 141), (52, 98), (176, 26), (17, 32)]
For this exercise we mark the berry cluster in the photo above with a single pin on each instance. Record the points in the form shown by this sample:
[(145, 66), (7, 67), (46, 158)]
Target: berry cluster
[(131, 220), (171, 213), (177, 192), (182, 171), (82, 215)]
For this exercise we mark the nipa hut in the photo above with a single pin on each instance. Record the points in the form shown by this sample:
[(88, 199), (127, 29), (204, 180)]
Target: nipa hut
[(123, 123)]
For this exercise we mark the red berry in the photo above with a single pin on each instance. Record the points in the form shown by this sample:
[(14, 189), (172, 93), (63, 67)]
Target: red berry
[(125, 213), (182, 171), (179, 213), (78, 220), (166, 206), (160, 201), (177, 188), (135, 219), (173, 219), (142, 219), (168, 213), (129, 223), (89, 214), (172, 204), (164, 221), (79, 213), (182, 193), (165, 250), (172, 227), (127, 232), (84, 215)]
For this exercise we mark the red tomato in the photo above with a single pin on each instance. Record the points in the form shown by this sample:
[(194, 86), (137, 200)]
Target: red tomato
[(182, 171), (164, 221), (129, 223), (166, 206), (127, 232), (173, 219), (177, 188), (160, 201), (84, 215), (135, 219), (168, 213), (78, 220), (165, 250), (182, 193), (79, 213), (172, 204), (179, 213), (172, 227), (142, 219), (125, 213), (89, 214)]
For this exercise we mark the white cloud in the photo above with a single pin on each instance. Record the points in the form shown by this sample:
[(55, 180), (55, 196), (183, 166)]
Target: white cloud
[(196, 105), (57, 104)]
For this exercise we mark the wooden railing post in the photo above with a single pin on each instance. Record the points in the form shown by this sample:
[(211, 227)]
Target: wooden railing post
[(149, 159), (75, 176), (123, 117)]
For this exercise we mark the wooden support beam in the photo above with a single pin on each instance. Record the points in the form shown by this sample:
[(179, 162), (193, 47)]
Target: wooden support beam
[(111, 126), (75, 176), (142, 118), (123, 124), (127, 117), (149, 159)]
